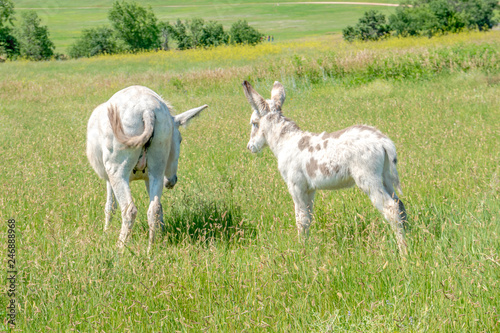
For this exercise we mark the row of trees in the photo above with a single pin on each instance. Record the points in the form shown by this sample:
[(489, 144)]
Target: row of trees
[(133, 28), (197, 32), (425, 18)]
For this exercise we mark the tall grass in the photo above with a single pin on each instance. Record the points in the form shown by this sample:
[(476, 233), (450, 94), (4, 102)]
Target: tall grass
[(229, 258)]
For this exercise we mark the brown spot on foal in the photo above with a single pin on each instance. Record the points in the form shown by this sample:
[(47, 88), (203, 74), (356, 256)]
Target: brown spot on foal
[(333, 135), (324, 169), (304, 142), (311, 167)]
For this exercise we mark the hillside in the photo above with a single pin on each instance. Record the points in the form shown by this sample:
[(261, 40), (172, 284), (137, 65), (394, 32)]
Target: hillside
[(285, 21)]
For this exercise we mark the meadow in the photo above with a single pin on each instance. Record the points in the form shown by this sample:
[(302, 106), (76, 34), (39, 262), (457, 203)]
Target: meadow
[(284, 20), (229, 258)]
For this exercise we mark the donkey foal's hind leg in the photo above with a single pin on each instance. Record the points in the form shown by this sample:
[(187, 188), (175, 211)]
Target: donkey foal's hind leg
[(393, 214), (390, 209), (402, 213)]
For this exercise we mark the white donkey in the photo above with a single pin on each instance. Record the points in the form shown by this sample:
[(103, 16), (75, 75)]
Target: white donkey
[(130, 137), (359, 155)]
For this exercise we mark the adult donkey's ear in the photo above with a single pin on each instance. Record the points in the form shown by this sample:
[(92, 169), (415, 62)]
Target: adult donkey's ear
[(278, 95), (257, 102), (184, 118)]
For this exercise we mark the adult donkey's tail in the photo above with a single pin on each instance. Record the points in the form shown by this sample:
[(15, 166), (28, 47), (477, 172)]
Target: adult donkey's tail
[(131, 141)]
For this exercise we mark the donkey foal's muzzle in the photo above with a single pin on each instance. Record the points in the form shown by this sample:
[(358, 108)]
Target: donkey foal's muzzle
[(251, 147)]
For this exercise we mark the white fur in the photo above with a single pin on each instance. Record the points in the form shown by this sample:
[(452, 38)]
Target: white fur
[(359, 155), (147, 148)]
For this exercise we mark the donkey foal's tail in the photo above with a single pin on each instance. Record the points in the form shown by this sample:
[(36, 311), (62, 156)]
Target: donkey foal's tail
[(390, 171)]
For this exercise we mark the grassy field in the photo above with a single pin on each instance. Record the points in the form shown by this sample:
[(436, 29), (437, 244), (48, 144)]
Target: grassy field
[(286, 21), (229, 259)]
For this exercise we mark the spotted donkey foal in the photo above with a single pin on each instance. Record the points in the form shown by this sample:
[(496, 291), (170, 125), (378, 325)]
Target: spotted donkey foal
[(360, 155)]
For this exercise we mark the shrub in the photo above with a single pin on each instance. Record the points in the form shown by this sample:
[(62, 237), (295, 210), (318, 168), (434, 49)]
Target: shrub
[(242, 33), (34, 39), (94, 42), (349, 33), (372, 26), (135, 25)]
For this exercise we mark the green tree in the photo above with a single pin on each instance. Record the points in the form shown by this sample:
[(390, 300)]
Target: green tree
[(445, 16), (34, 40), (213, 34), (413, 21), (195, 27), (242, 33), (135, 25), (8, 42), (166, 33), (198, 33), (479, 14), (95, 41), (180, 34), (430, 17), (372, 26)]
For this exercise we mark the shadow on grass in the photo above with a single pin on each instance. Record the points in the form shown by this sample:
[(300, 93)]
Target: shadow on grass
[(202, 221)]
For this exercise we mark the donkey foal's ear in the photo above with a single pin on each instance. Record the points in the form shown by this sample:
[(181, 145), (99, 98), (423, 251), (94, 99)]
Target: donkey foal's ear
[(257, 102), (278, 95)]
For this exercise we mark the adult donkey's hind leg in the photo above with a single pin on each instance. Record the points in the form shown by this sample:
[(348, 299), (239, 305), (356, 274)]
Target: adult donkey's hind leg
[(110, 207), (157, 162), (118, 168), (155, 210)]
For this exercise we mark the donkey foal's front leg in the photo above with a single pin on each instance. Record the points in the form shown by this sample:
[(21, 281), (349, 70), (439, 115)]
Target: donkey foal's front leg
[(303, 201)]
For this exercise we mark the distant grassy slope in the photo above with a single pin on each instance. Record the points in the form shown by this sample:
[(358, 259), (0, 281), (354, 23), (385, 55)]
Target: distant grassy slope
[(155, 3), (284, 22)]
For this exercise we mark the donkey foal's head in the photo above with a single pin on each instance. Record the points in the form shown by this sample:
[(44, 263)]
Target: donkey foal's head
[(262, 108)]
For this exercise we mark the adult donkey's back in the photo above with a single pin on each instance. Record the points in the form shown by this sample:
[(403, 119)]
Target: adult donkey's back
[(133, 136)]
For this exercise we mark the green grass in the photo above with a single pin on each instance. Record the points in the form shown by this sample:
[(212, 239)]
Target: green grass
[(230, 259), (284, 22)]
